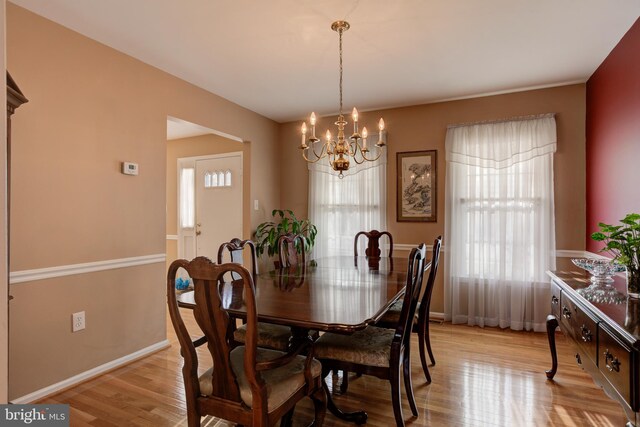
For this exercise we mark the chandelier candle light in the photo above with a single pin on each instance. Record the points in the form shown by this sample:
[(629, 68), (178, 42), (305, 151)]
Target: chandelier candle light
[(339, 151)]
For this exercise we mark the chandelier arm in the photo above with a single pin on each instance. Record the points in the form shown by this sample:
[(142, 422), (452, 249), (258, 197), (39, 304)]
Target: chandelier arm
[(353, 147), (313, 148), (358, 149), (317, 159), (371, 160)]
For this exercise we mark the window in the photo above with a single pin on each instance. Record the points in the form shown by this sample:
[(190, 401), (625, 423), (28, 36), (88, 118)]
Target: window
[(342, 207), (187, 198), (217, 179), (499, 229)]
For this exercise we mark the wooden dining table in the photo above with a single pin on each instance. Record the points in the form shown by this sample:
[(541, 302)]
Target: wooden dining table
[(341, 294)]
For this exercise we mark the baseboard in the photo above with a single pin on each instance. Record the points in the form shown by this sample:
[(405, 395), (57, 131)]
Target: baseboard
[(436, 316), (91, 373)]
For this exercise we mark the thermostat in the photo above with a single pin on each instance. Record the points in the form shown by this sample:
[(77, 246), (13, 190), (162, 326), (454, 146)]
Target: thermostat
[(129, 168)]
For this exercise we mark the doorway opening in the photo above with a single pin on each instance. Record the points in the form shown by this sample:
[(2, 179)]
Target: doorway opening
[(206, 190)]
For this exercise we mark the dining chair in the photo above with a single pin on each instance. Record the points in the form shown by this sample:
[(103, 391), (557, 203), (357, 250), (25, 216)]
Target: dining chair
[(421, 320), (248, 385), (288, 245), (271, 336), (373, 243), (235, 247), (372, 252), (380, 352)]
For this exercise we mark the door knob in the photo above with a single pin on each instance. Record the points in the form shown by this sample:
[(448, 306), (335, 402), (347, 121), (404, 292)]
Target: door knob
[(198, 232)]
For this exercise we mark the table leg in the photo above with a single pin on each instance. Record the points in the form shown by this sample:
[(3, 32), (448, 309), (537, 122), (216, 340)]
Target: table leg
[(358, 417), (552, 324), (299, 336)]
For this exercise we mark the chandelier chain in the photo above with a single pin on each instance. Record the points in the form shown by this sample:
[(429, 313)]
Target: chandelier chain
[(340, 33)]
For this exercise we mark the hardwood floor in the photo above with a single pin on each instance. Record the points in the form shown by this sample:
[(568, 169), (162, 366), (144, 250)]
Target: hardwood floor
[(483, 377)]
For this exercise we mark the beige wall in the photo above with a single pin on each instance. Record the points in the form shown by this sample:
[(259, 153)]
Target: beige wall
[(200, 146), (91, 108), (423, 127), (4, 311)]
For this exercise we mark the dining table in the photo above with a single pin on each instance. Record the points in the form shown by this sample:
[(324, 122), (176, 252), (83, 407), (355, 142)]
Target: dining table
[(340, 294)]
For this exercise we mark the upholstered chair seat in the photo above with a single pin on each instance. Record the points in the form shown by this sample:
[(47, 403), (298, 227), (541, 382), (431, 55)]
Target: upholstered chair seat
[(269, 335), (392, 316), (370, 346), (282, 382)]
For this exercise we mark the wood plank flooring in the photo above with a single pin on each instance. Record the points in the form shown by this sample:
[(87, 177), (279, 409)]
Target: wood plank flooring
[(483, 377)]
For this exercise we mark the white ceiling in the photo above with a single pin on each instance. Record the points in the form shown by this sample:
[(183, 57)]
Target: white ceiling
[(280, 57)]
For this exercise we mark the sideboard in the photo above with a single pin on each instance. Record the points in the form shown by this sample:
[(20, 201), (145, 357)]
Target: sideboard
[(606, 335)]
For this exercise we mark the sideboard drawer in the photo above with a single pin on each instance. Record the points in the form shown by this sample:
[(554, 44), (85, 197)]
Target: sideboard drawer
[(614, 361), (567, 316), (585, 332), (555, 299)]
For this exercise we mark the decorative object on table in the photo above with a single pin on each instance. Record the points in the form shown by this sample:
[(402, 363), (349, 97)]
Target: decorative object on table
[(340, 152), (600, 290), (268, 233), (623, 242), (417, 179), (182, 284)]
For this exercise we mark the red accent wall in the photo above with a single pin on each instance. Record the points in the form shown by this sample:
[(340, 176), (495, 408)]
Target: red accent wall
[(613, 136)]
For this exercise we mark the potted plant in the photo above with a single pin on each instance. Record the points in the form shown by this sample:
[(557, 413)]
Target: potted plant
[(268, 233), (623, 242)]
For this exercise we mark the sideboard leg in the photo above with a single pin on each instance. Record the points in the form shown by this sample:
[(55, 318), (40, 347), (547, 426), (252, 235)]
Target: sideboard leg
[(552, 324)]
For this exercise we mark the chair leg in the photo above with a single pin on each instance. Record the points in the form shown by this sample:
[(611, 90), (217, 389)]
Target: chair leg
[(428, 342), (287, 419), (319, 399), (345, 382), (422, 340), (408, 384), (193, 419), (394, 379)]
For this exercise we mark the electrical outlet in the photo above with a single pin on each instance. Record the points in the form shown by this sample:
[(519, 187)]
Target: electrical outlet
[(78, 321)]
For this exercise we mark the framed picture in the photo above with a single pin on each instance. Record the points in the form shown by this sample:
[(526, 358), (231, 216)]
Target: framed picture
[(417, 179)]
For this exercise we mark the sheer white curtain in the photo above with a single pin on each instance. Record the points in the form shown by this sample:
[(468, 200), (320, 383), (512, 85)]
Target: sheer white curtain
[(342, 207), (500, 228)]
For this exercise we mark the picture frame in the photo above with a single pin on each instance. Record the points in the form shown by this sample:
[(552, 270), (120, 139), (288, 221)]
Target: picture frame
[(417, 186)]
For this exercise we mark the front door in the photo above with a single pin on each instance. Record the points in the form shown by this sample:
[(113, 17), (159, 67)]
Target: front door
[(218, 205)]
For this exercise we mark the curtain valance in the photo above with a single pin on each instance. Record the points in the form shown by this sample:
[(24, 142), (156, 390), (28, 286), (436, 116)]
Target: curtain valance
[(501, 144)]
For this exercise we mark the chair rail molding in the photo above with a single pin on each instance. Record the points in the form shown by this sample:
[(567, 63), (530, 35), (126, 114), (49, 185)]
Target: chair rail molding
[(22, 276)]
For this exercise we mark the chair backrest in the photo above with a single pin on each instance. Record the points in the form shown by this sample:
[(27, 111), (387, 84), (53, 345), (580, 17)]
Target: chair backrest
[(288, 252), (373, 243), (428, 289), (215, 323), (235, 247), (413, 290)]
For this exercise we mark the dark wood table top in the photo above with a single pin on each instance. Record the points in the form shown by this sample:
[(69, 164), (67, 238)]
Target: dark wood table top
[(338, 294), (624, 316)]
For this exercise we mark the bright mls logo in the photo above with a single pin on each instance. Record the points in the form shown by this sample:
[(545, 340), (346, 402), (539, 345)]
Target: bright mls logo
[(34, 415)]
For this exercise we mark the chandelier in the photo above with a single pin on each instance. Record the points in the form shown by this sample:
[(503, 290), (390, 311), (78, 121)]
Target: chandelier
[(339, 151)]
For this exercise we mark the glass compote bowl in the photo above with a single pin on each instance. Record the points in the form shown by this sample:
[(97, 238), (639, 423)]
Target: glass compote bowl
[(601, 271)]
